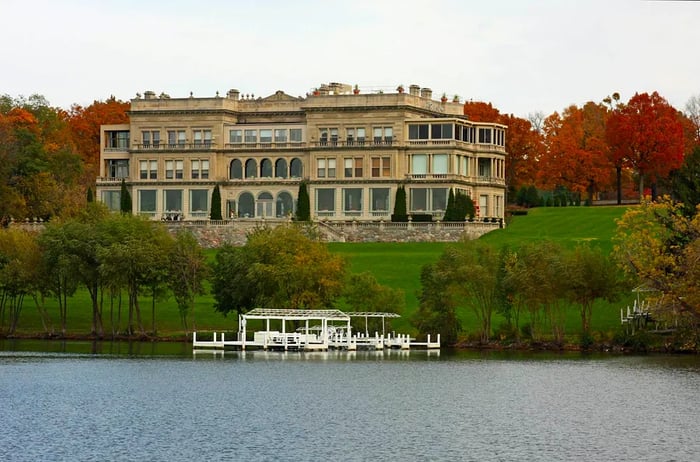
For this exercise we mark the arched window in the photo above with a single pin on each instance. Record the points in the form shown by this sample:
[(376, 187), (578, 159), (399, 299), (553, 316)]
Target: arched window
[(266, 168), (284, 204), (246, 205), (236, 170), (251, 168), (281, 168), (264, 204), (295, 168)]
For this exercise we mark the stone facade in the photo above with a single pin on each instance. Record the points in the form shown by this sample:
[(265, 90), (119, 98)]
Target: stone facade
[(352, 149)]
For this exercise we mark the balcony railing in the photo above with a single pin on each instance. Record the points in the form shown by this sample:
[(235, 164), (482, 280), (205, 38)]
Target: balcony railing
[(197, 145)]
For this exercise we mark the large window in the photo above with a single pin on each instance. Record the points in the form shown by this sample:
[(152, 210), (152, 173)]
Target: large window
[(280, 135), (246, 205), (199, 203), (117, 140), (440, 164), (236, 170), (200, 169), (295, 135), (296, 168), (235, 136), (419, 200), (147, 201), (352, 201), (441, 131), (418, 131), (250, 136), (112, 199), (148, 169), (419, 164), (117, 169), (353, 167), (172, 200), (328, 136), (379, 199), (281, 168), (485, 168), (381, 167), (483, 205), (251, 168), (439, 199), (428, 199), (485, 136), (326, 168), (266, 168), (284, 205), (150, 139), (266, 135), (325, 200), (383, 135)]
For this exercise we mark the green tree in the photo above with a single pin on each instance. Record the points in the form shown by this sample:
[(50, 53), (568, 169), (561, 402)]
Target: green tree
[(451, 213), (303, 203), (464, 206), (400, 213), (125, 204), (90, 197), (362, 292), (437, 313), (187, 270), (215, 204), (685, 183), (280, 268)]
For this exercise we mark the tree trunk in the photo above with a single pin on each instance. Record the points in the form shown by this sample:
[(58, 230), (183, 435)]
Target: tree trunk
[(618, 172)]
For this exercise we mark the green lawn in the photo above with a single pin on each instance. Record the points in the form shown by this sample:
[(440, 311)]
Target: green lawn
[(394, 264)]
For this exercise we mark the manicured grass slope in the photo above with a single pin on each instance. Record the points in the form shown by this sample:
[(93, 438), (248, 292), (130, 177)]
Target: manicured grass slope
[(397, 265)]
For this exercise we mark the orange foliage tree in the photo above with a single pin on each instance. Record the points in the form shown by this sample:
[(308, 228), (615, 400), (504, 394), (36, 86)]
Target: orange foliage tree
[(85, 124), (647, 135), (523, 143), (576, 153)]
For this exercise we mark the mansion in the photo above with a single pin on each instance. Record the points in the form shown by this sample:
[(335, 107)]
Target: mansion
[(353, 149)]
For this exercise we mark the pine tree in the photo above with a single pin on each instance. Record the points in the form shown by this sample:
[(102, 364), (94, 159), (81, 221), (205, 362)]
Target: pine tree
[(90, 197), (400, 205), (303, 204), (125, 199), (451, 213), (215, 213)]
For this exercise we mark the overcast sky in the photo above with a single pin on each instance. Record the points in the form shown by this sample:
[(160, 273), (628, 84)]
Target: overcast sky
[(522, 56)]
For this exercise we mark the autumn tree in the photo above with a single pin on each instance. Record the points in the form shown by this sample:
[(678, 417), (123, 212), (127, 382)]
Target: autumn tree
[(85, 125), (658, 246), (280, 268), (646, 133)]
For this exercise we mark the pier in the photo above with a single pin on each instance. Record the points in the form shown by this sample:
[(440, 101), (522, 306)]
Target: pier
[(321, 330)]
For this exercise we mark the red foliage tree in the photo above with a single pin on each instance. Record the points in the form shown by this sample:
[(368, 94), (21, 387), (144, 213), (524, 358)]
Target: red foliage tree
[(646, 135)]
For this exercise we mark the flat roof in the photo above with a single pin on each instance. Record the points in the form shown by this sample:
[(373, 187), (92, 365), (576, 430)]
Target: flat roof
[(276, 313)]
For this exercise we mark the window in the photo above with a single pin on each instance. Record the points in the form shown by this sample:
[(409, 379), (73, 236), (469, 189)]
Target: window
[(117, 169), (284, 205), (172, 198), (147, 201), (173, 169), (250, 136), (419, 199), (321, 170), (235, 136), (441, 131), (352, 200), (325, 200), (266, 168), (418, 132), (383, 135), (353, 167), (176, 138), (236, 170), (326, 168), (266, 135), (281, 168), (419, 164), (150, 139), (117, 140), (200, 169), (296, 168), (361, 136), (440, 164), (485, 136), (483, 205), (148, 169), (112, 199), (334, 136), (485, 167), (295, 135), (280, 135), (350, 136), (251, 168), (199, 202), (355, 136), (379, 199), (439, 199), (202, 138), (381, 167)]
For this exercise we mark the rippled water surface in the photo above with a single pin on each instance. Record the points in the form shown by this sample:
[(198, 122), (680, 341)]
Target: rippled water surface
[(347, 406)]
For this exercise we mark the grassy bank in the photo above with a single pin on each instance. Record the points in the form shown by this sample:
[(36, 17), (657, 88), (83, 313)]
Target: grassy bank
[(397, 265)]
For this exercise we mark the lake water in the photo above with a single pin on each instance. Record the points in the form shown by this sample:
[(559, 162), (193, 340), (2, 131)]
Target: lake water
[(141, 402)]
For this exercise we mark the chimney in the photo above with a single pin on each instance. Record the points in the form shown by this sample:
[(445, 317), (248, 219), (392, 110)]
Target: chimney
[(414, 90), (149, 94), (233, 94), (426, 93)]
